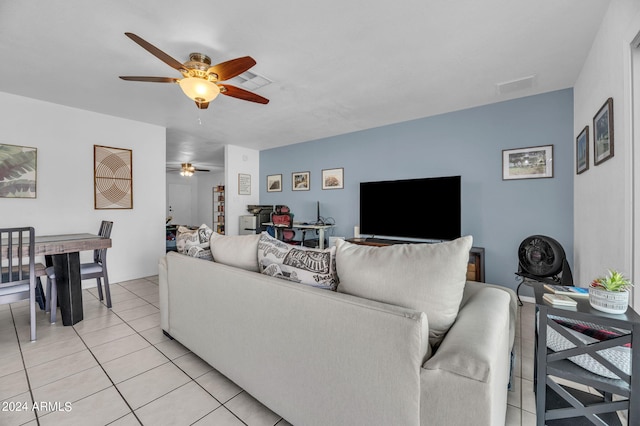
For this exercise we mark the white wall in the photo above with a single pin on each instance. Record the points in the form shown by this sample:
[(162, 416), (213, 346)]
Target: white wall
[(64, 138), (603, 202), (206, 182), (200, 186), (246, 161)]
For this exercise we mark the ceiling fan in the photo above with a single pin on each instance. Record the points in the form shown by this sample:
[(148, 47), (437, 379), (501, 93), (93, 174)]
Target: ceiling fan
[(188, 169), (201, 81)]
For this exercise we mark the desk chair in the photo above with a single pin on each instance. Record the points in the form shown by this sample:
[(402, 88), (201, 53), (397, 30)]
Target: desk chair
[(97, 269), (18, 269), (284, 222)]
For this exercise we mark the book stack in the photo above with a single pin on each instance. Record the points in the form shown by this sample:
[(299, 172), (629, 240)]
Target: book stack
[(559, 299), (567, 290)]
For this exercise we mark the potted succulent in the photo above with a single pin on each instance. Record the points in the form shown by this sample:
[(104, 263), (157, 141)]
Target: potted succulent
[(610, 293)]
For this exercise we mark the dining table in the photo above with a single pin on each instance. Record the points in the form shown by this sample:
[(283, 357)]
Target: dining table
[(63, 253)]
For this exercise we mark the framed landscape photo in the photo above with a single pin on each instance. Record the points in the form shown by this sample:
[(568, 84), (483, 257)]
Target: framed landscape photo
[(17, 171), (527, 163), (274, 183), (300, 181), (333, 178), (603, 133), (582, 151)]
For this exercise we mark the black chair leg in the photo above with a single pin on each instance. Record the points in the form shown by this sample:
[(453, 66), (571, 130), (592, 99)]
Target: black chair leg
[(107, 291), (99, 284)]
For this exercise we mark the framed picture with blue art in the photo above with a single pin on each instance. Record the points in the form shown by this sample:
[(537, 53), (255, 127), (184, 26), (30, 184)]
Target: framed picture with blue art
[(603, 133), (18, 169), (582, 151)]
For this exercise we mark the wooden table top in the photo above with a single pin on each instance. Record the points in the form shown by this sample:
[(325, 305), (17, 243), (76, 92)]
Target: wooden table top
[(65, 243)]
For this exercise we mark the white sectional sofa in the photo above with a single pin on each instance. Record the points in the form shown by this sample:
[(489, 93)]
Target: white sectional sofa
[(320, 357)]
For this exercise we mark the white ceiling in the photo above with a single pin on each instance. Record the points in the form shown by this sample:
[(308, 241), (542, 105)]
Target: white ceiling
[(336, 66)]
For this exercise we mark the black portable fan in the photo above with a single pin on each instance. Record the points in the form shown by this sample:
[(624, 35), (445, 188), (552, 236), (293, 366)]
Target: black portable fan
[(541, 258)]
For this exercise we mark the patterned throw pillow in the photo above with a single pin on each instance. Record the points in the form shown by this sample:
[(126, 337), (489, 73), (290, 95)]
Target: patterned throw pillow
[(303, 265), (194, 242)]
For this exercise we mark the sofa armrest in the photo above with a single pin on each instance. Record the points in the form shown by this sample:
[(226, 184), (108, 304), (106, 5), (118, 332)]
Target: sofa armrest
[(473, 287), (476, 340)]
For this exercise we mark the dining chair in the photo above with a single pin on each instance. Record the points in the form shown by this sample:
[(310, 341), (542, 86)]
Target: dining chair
[(18, 269), (96, 269)]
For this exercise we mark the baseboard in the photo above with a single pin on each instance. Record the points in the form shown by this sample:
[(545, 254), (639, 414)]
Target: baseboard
[(528, 299)]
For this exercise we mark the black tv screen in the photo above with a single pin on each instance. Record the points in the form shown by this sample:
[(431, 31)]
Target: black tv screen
[(427, 208)]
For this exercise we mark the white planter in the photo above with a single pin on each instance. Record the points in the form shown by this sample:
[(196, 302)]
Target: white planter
[(611, 302)]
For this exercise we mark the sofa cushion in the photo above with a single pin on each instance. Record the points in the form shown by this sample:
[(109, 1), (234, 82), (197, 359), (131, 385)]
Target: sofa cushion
[(194, 242), (304, 265), (425, 277), (240, 251)]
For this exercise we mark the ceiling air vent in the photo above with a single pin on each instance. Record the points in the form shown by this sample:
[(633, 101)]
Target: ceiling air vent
[(515, 85), (250, 81)]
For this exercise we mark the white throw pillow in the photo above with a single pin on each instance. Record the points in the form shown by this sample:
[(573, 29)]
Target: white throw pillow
[(240, 251), (299, 264), (425, 277)]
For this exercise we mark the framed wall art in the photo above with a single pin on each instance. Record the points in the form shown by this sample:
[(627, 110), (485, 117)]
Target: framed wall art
[(300, 181), (582, 151), (244, 184), (333, 178), (527, 163), (274, 183), (18, 171), (112, 178), (603, 133)]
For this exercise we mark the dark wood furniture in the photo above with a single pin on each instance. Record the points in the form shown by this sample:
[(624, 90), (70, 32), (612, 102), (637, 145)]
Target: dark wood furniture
[(475, 268), (550, 365), (64, 252)]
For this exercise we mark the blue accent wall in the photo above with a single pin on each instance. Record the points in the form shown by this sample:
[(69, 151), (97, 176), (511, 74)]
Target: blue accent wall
[(498, 214)]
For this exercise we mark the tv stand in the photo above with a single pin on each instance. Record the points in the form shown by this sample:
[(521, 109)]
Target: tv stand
[(475, 268)]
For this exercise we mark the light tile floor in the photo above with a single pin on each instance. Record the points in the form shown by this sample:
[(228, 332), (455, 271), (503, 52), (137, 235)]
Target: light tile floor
[(117, 368)]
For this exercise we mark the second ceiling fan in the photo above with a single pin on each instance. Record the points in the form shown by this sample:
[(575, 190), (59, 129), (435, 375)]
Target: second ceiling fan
[(201, 81)]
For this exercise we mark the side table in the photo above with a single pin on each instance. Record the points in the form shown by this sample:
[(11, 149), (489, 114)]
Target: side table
[(550, 365)]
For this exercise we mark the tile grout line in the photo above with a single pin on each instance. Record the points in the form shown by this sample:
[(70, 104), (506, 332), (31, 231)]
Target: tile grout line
[(192, 379), (163, 354), (102, 368), (26, 373)]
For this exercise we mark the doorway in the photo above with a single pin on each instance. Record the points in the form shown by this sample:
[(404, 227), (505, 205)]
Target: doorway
[(179, 204)]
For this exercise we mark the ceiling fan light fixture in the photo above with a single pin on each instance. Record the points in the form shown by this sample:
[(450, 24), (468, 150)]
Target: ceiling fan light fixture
[(187, 170), (199, 89)]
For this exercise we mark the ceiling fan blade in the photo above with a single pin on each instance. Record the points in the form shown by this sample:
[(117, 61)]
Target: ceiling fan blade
[(202, 105), (150, 79), (236, 92), (173, 63), (229, 69)]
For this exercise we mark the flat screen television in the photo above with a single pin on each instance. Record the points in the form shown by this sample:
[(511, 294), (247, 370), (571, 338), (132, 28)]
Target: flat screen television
[(425, 209)]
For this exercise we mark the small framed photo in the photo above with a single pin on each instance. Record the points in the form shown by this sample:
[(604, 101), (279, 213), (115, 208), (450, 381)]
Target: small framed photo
[(582, 151), (333, 178), (527, 163), (244, 184), (603, 133), (300, 181), (274, 183)]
